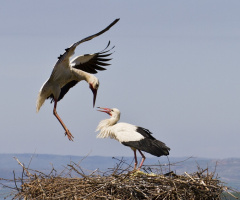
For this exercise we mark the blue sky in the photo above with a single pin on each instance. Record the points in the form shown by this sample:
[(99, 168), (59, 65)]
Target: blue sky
[(175, 71)]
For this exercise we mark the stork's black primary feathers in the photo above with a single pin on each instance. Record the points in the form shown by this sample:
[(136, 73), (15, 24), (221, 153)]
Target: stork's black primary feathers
[(95, 62), (145, 132), (149, 143)]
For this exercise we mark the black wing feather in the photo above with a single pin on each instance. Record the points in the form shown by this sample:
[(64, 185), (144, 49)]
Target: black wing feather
[(105, 55), (145, 132), (96, 62), (99, 68), (104, 59)]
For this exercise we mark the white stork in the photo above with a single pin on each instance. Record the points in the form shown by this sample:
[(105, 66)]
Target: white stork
[(137, 138), (67, 74)]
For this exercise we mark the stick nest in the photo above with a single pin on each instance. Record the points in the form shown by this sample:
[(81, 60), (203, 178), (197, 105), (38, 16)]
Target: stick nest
[(117, 183)]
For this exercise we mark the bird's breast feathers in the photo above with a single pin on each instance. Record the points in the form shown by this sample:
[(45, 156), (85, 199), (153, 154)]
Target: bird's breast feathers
[(123, 132)]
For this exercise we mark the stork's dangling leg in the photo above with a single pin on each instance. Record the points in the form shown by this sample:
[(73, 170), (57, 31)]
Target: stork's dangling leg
[(70, 136), (143, 158)]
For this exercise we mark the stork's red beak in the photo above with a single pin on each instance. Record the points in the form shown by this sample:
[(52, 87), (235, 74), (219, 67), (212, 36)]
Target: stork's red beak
[(106, 110), (94, 91)]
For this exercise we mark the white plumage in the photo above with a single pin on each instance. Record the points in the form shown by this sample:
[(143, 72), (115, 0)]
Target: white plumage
[(122, 132), (137, 138), (67, 74)]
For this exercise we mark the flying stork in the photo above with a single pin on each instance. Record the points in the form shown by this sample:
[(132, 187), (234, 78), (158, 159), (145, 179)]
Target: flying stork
[(67, 74), (137, 138)]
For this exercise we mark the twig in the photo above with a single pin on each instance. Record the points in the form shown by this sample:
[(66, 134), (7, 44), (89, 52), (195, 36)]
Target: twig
[(29, 174), (226, 190), (189, 176), (15, 181)]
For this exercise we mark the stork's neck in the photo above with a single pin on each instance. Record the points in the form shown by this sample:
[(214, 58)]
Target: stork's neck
[(110, 122), (88, 77), (106, 126), (81, 75)]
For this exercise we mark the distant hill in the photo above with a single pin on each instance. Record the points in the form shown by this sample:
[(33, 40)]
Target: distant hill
[(227, 169)]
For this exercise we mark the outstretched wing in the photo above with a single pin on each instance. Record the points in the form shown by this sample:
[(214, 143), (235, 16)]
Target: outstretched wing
[(70, 51), (64, 59), (92, 62)]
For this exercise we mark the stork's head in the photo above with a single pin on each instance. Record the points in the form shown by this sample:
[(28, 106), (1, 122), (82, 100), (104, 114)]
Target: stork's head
[(113, 112), (93, 85)]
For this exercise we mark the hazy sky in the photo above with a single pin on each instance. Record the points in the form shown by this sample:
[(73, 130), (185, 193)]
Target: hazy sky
[(175, 71)]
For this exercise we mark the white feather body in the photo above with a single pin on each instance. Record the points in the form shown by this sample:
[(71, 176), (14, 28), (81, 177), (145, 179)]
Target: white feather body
[(122, 132)]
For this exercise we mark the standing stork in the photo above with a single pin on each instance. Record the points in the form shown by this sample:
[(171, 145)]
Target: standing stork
[(137, 138), (67, 74)]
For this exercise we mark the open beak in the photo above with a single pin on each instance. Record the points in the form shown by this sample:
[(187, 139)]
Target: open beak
[(94, 91), (106, 110)]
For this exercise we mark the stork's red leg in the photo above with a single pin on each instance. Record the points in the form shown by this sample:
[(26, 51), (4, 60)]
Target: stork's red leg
[(70, 137), (143, 158), (135, 156)]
